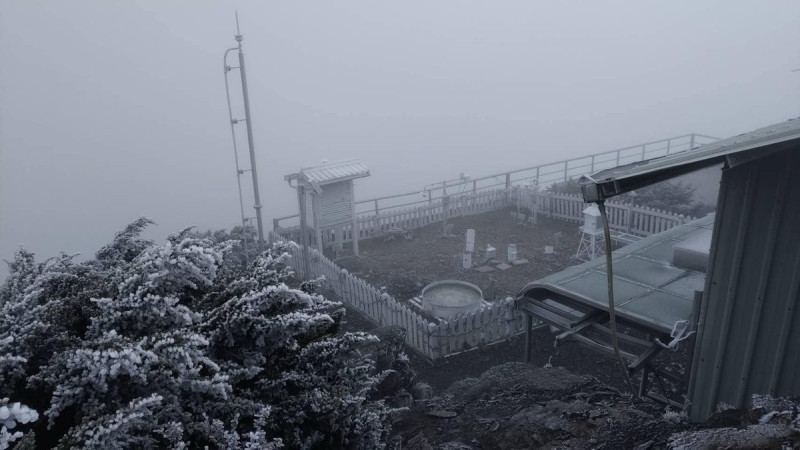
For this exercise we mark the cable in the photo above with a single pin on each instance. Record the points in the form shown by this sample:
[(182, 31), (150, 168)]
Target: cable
[(610, 280)]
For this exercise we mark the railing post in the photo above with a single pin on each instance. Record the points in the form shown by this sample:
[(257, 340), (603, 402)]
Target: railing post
[(376, 206), (644, 150), (474, 200), (445, 210), (669, 144), (592, 169), (566, 166), (691, 141), (275, 225), (618, 155), (508, 180)]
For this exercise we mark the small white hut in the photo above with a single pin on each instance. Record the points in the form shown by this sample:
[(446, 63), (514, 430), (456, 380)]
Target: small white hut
[(327, 200)]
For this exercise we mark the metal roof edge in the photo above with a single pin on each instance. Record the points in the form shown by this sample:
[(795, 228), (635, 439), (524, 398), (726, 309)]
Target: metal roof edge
[(606, 183)]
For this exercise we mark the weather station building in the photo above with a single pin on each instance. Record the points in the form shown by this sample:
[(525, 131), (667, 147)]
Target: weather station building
[(743, 262)]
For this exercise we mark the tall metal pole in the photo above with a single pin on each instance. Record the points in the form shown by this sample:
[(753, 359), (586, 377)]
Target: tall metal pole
[(239, 171), (249, 124), (301, 201)]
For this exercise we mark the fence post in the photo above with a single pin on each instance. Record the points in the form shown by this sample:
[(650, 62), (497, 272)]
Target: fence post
[(445, 210), (275, 225), (384, 306), (628, 218), (434, 350)]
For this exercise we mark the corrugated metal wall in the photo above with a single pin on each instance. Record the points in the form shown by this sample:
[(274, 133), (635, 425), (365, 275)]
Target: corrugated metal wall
[(749, 341)]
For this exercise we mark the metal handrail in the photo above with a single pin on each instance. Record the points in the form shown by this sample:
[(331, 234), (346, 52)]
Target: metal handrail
[(434, 191)]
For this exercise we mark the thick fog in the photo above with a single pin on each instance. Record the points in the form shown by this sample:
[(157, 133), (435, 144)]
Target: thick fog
[(114, 110)]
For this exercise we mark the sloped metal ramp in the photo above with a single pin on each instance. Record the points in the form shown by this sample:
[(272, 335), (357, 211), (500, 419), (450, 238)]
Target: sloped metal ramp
[(652, 296)]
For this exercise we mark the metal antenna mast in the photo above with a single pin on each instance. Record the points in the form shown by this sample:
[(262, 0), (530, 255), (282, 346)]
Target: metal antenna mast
[(248, 122), (239, 172)]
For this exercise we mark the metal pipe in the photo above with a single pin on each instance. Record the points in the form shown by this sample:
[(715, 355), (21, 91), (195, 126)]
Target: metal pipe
[(611, 308), (301, 200), (226, 69), (249, 124)]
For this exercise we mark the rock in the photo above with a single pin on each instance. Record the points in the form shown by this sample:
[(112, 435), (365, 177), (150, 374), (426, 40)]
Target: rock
[(517, 376), (444, 414), (403, 399), (419, 442), (755, 436), (453, 445), (422, 391)]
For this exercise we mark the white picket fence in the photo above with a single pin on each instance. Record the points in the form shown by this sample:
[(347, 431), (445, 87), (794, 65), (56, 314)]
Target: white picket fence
[(432, 340), (630, 219), (376, 225), (543, 175), (489, 324)]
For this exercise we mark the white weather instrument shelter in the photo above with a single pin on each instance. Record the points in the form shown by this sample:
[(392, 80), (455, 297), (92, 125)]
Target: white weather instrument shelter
[(591, 245), (326, 200)]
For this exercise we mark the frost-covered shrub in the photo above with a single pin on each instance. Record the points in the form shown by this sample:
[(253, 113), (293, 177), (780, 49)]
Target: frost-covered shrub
[(127, 244), (175, 346), (183, 264), (12, 415), (281, 343)]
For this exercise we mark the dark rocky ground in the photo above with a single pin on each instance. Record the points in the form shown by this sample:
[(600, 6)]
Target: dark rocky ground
[(519, 406), (567, 397)]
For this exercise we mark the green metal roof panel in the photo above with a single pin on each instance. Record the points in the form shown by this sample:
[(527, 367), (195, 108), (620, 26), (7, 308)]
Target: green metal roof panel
[(587, 285), (660, 252), (693, 281), (660, 307), (647, 287), (649, 273)]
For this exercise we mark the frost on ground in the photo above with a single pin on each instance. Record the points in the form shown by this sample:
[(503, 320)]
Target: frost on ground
[(519, 405), (522, 406), (769, 423)]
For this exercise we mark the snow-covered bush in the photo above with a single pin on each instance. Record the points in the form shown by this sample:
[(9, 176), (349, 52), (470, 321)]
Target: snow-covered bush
[(10, 416), (174, 346)]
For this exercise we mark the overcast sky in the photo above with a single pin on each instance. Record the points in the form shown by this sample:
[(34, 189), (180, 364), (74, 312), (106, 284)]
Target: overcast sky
[(111, 110)]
